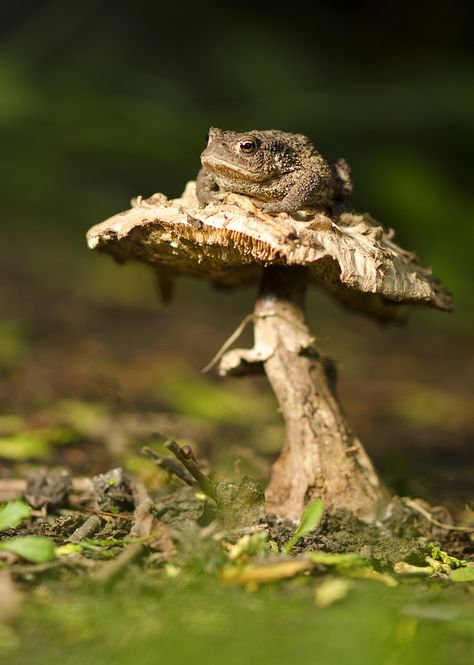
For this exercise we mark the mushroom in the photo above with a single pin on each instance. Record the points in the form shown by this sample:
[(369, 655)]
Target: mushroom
[(233, 243)]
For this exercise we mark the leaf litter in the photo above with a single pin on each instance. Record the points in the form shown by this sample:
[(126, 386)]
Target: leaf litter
[(112, 528)]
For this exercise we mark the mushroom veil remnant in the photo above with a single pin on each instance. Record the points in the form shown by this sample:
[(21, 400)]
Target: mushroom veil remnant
[(232, 242)]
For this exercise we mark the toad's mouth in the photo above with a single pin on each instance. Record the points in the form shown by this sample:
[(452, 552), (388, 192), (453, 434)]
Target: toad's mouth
[(223, 167)]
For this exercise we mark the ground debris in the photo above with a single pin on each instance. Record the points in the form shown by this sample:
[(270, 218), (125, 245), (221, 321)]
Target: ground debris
[(234, 505), (46, 489), (272, 572), (220, 528), (113, 491), (240, 505), (403, 535)]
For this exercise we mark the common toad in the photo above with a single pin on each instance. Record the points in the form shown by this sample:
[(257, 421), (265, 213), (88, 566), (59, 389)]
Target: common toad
[(283, 171)]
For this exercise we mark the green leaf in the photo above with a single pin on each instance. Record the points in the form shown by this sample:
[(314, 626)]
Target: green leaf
[(310, 520), (13, 513), (462, 575), (31, 548)]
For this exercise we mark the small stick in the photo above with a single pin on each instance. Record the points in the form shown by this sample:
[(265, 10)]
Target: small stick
[(86, 530), (110, 570), (442, 525), (142, 516), (38, 568), (143, 525), (102, 513), (187, 460), (169, 464), (12, 488)]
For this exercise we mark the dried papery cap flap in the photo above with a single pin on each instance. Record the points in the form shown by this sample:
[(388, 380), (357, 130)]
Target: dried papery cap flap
[(229, 243)]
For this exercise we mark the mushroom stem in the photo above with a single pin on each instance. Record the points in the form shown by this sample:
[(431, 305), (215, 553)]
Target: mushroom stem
[(321, 457)]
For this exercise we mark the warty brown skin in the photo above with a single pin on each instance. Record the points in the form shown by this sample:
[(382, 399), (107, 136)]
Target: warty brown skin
[(283, 171)]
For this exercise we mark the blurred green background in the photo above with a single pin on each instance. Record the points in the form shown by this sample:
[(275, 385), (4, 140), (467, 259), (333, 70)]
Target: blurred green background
[(101, 101)]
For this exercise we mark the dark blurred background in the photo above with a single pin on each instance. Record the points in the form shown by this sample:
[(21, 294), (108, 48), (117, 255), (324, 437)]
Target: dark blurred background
[(101, 101)]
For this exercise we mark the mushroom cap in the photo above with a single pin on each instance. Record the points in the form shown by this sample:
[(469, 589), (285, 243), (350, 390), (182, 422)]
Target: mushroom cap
[(229, 243)]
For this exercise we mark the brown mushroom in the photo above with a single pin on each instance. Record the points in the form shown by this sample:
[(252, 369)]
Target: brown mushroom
[(232, 243)]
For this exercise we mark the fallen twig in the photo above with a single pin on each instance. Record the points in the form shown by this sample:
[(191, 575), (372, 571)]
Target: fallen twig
[(22, 569), (442, 525), (13, 488), (143, 526), (169, 464), (110, 570), (187, 459), (106, 514), (143, 519), (86, 530)]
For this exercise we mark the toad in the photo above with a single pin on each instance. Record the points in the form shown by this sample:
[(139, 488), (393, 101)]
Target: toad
[(283, 171)]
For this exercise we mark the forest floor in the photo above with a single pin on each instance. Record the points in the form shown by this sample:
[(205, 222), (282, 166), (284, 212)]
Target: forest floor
[(144, 565)]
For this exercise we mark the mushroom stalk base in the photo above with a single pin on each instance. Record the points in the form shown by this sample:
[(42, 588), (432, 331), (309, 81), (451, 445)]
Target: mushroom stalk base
[(321, 457)]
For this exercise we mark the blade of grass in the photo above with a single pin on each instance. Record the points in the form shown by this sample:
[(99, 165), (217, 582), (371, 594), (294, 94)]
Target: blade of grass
[(310, 520)]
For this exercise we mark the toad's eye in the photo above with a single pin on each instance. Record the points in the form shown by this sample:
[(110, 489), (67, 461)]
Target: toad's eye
[(248, 146), (206, 138)]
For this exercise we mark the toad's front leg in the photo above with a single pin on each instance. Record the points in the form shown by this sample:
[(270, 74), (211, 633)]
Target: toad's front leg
[(301, 194), (207, 189)]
